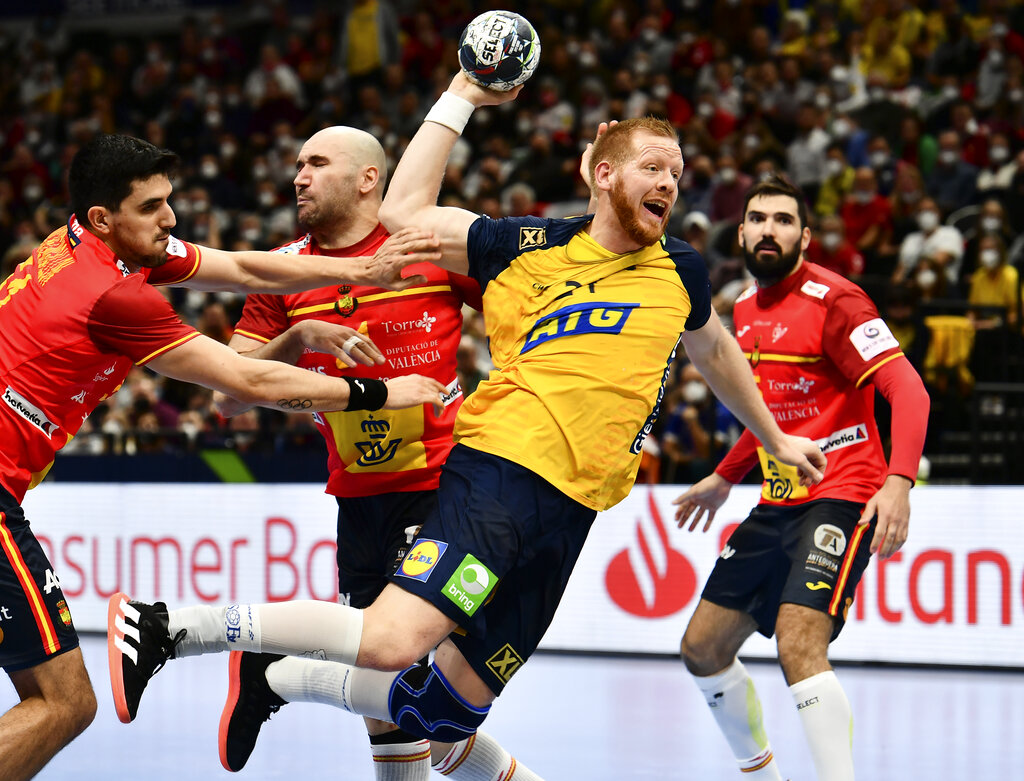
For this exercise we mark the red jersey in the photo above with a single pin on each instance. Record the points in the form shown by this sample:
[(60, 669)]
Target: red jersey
[(814, 340), (417, 330), (74, 320)]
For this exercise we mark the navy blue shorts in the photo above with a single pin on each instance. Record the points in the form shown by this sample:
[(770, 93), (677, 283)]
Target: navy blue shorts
[(495, 558), (374, 535), (811, 554), (35, 622)]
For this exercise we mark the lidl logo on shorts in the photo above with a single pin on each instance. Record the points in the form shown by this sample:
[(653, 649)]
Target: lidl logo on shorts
[(422, 559), (470, 584), (830, 539)]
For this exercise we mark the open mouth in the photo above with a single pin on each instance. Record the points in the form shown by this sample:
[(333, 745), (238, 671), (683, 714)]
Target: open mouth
[(768, 247), (656, 208)]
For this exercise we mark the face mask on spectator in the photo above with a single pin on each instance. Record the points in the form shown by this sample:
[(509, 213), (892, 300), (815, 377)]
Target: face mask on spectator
[(208, 170), (588, 59), (200, 206), (926, 278), (833, 167), (661, 91), (259, 171), (1015, 95), (999, 154), (948, 156), (841, 128), (831, 241), (995, 57), (989, 258), (998, 30), (266, 198), (950, 91), (927, 220), (910, 196), (695, 392), (879, 159), (727, 175), (822, 101), (649, 35), (991, 224), (706, 110), (863, 196), (751, 141), (690, 150), (228, 149), (32, 192), (251, 235), (213, 118)]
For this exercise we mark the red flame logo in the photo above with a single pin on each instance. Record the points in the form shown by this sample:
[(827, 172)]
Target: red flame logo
[(650, 578)]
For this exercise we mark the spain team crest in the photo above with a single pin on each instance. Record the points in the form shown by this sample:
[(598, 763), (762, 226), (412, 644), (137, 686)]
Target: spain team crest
[(64, 612)]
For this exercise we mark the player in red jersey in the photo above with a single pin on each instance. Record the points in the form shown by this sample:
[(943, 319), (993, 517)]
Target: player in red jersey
[(75, 317), (818, 349), (384, 467)]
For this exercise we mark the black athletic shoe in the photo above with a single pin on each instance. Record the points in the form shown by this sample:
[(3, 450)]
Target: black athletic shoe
[(250, 703), (138, 645)]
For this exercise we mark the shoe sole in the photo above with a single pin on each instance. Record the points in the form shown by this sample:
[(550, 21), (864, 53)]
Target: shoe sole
[(234, 688), (115, 658)]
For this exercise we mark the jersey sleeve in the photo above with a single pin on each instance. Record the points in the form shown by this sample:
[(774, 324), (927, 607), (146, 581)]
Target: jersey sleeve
[(263, 317), (467, 290), (694, 274), (855, 337), (133, 319), (183, 261)]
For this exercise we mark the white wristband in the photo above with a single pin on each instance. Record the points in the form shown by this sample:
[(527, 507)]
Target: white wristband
[(451, 111)]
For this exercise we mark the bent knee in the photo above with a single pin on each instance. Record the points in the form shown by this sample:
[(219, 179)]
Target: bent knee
[(702, 657)]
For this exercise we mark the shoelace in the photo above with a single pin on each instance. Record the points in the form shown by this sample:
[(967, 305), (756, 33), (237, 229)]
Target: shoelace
[(167, 650)]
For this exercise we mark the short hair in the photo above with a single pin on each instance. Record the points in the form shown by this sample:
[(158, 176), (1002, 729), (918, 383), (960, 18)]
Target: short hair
[(778, 184), (102, 172), (616, 143)]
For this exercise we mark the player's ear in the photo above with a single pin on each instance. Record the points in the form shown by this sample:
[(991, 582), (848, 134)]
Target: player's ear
[(99, 219), (805, 239), (602, 175), (371, 177), (739, 236)]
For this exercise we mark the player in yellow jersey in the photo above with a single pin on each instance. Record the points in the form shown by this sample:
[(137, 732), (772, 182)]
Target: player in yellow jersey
[(583, 317)]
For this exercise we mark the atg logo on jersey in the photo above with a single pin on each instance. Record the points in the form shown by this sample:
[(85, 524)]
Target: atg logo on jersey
[(422, 559), (593, 317)]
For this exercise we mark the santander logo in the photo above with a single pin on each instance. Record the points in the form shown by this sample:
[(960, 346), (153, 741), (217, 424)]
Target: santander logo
[(650, 578)]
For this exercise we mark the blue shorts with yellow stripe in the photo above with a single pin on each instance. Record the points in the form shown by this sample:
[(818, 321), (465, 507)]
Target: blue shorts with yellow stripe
[(811, 554), (495, 557), (35, 622)]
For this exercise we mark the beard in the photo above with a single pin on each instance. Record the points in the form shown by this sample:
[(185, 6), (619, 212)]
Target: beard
[(768, 272), (637, 231)]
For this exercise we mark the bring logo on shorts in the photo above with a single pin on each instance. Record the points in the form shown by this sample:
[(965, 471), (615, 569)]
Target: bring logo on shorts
[(470, 584)]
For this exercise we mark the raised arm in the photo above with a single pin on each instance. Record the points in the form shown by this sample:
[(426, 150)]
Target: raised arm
[(411, 199), (276, 272), (716, 354)]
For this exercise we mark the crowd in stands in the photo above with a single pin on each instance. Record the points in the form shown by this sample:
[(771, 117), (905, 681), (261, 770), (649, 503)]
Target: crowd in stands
[(902, 121)]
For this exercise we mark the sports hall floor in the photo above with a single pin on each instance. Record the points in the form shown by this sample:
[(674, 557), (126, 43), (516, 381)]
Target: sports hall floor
[(571, 718)]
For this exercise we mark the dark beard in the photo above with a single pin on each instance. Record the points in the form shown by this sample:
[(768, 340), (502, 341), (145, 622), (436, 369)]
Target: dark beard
[(643, 236), (768, 272)]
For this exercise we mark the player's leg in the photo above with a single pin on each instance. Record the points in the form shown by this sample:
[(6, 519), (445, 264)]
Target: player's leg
[(828, 560), (731, 609), (57, 704), (38, 650)]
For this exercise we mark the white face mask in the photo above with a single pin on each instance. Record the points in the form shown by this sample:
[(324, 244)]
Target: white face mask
[(208, 170), (706, 110), (751, 141), (251, 235), (695, 392), (879, 159), (927, 220), (989, 258), (926, 277), (831, 241), (948, 156), (266, 198), (863, 196), (841, 128), (833, 168), (998, 154), (991, 224), (32, 193), (727, 175)]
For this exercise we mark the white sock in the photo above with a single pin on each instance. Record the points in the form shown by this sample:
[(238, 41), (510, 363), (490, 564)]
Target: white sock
[(734, 704), (828, 723), (323, 630), (481, 758), (405, 761), (355, 689)]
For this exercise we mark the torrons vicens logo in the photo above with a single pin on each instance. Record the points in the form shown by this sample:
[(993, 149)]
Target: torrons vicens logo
[(29, 411), (650, 579)]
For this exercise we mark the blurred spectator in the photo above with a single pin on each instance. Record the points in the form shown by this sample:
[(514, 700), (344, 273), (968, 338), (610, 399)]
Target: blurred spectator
[(994, 283), (881, 161), (867, 216), (953, 181), (990, 221), (837, 180), (369, 40), (904, 320), (943, 245), (829, 248), (728, 190), (994, 178), (467, 366), (805, 155), (915, 146)]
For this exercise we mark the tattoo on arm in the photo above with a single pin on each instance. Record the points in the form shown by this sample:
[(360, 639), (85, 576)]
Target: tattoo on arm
[(295, 403)]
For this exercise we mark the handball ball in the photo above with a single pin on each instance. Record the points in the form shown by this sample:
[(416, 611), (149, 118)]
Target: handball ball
[(499, 50)]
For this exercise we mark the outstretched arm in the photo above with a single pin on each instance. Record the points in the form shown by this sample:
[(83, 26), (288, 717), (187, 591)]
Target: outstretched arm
[(276, 272), (715, 353), (411, 199)]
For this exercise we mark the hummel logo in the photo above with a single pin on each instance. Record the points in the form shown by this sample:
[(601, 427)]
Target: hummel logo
[(817, 586)]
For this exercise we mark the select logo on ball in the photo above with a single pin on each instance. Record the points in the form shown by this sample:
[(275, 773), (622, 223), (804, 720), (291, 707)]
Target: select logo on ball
[(421, 560)]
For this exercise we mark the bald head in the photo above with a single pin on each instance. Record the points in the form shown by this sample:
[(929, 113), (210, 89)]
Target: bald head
[(358, 146)]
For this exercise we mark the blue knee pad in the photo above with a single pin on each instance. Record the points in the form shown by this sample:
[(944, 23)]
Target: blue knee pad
[(424, 704)]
